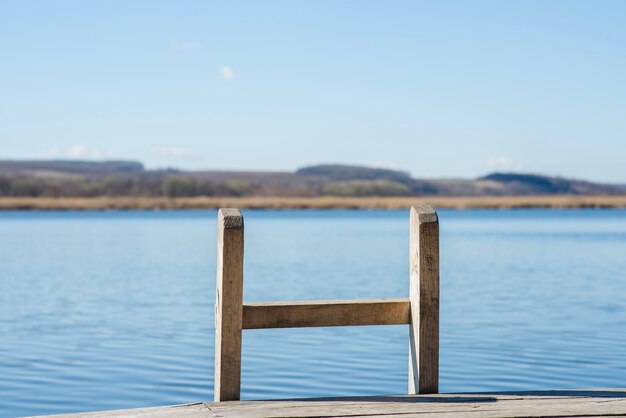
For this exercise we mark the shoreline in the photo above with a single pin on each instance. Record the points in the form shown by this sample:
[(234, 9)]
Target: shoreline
[(390, 203)]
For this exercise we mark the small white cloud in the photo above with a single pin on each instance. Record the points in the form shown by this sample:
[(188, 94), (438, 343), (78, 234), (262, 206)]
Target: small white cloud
[(185, 46), (385, 165), (78, 151), (503, 163), (175, 152), (227, 73)]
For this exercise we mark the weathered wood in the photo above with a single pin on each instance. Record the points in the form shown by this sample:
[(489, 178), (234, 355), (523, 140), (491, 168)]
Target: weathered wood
[(420, 311), (591, 403), (424, 297), (326, 313), (228, 305)]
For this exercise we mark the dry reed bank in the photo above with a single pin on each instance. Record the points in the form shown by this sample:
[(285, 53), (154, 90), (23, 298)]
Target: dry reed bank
[(453, 202)]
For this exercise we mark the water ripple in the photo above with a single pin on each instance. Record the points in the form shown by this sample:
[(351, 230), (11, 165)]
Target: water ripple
[(116, 311)]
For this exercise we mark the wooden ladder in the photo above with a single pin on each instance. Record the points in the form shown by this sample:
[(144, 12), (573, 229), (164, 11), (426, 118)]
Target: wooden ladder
[(420, 310)]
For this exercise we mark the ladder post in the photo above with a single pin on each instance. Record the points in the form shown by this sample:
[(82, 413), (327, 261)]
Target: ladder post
[(228, 305), (424, 298)]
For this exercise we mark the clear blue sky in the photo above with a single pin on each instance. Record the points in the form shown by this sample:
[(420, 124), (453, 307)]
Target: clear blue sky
[(440, 88)]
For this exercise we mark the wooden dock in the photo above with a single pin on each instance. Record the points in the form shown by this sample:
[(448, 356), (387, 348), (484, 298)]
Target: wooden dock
[(582, 403)]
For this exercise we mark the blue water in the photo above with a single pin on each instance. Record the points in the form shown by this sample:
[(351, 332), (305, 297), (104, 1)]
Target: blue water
[(108, 310)]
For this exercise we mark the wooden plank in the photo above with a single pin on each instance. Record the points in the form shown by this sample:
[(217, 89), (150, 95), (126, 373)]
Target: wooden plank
[(424, 297), (193, 410), (228, 305), (421, 406), (328, 313), (506, 404)]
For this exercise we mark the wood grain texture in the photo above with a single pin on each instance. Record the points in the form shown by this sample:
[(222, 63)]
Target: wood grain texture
[(590, 403), (326, 313), (228, 305), (424, 297)]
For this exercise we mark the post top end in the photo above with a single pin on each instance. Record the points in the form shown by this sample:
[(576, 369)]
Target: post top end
[(230, 218), (424, 214)]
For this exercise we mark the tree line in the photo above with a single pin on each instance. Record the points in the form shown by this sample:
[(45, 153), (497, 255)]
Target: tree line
[(186, 185), (122, 185)]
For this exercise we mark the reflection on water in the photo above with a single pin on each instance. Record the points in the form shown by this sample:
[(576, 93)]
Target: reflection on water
[(110, 310)]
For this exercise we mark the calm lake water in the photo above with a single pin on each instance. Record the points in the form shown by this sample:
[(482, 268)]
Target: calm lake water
[(104, 310)]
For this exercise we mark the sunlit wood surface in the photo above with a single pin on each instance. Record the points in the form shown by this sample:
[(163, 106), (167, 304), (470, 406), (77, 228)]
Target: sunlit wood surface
[(582, 403)]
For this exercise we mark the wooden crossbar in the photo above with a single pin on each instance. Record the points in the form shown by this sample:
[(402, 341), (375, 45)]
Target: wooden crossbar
[(326, 313), (420, 310)]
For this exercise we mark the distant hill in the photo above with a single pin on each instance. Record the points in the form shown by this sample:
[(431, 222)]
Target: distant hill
[(130, 178), (351, 172), (65, 167), (495, 184), (516, 183)]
